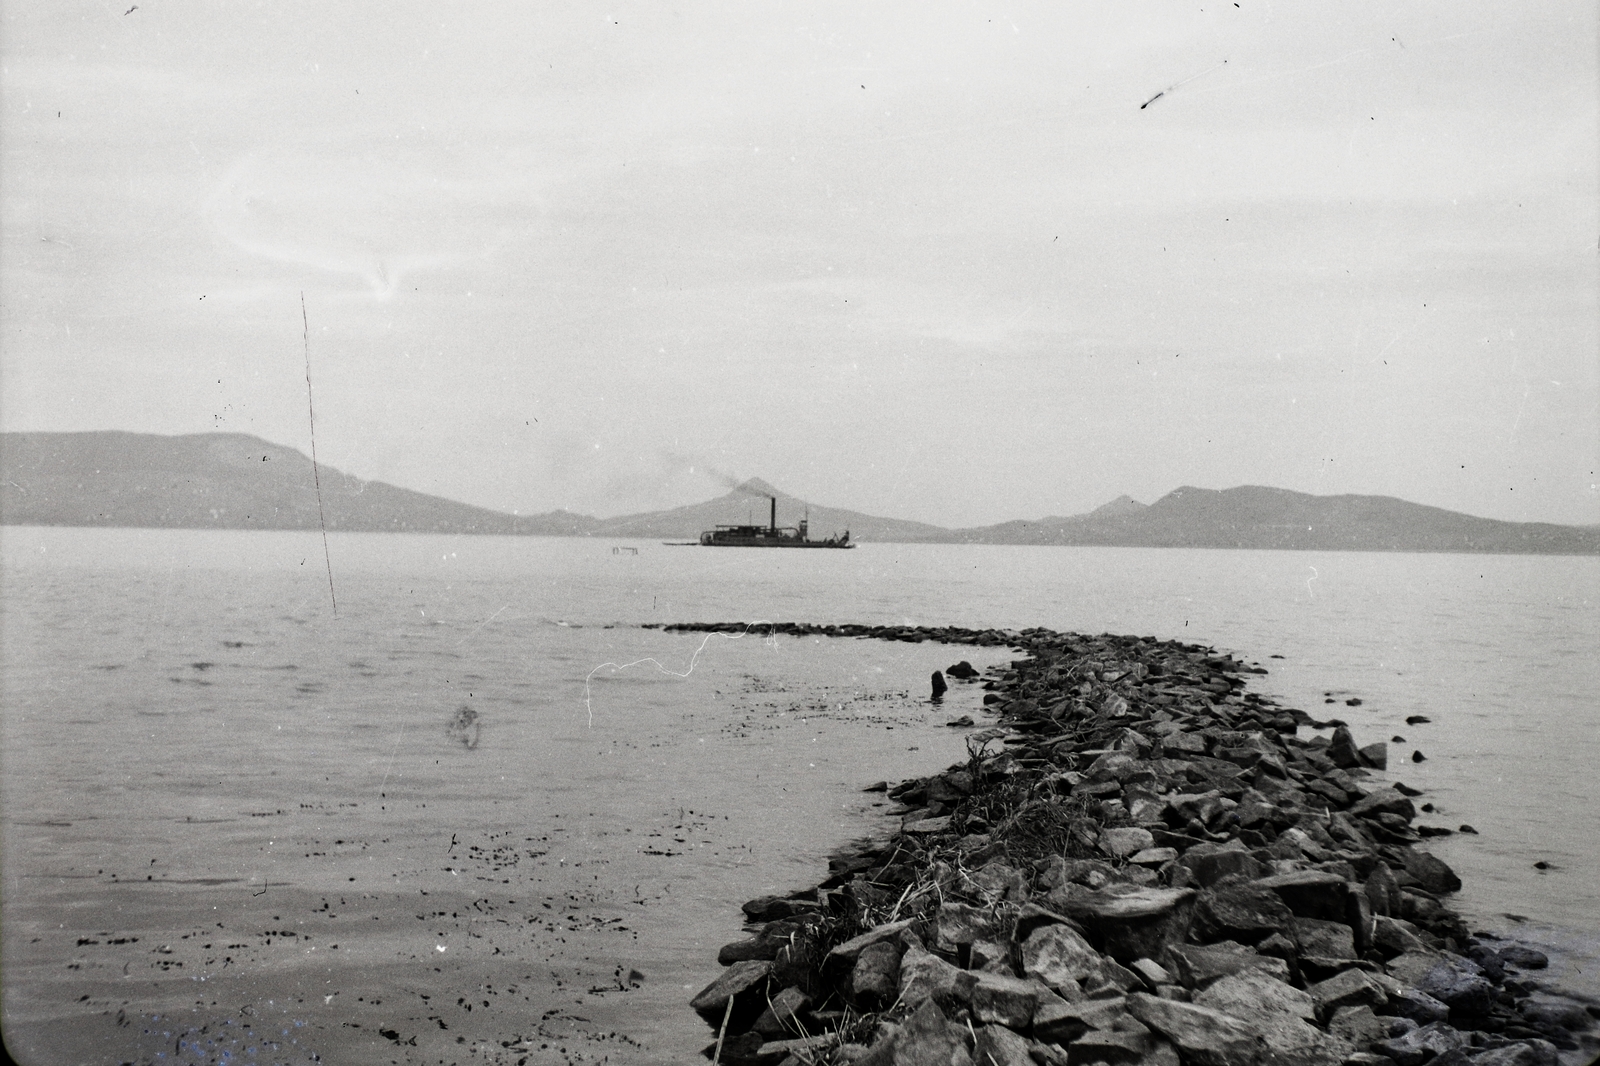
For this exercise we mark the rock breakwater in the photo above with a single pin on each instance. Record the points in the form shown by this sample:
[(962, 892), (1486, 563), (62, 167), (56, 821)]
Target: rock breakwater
[(1145, 863)]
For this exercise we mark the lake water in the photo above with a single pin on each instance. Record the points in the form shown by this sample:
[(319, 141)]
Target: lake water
[(235, 818)]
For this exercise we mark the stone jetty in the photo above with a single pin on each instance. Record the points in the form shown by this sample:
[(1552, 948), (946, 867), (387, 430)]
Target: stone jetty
[(1144, 863)]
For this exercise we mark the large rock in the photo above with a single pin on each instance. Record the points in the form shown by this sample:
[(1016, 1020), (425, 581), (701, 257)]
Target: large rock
[(1384, 801), (1121, 843), (959, 923), (999, 1046), (771, 908), (856, 945), (1197, 965), (1396, 936), (1342, 751), (1128, 924), (1418, 1006), (1281, 1014), (1061, 1023), (1521, 1053), (782, 1016), (743, 982), (1246, 913), (1309, 893), (1358, 1026), (1063, 960), (1327, 942), (1420, 1045), (924, 976), (875, 977), (1452, 980), (928, 1038), (1351, 988), (1383, 891), (1002, 1000), (1210, 863), (1431, 873), (1204, 1037)]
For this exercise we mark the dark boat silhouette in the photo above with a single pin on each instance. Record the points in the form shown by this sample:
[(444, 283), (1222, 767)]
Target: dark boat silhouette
[(770, 535)]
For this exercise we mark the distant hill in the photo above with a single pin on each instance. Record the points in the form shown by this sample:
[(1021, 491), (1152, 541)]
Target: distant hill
[(1252, 516), (235, 481), (220, 481)]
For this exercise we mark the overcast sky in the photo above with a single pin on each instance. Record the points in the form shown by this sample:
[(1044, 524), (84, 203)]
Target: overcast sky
[(957, 263)]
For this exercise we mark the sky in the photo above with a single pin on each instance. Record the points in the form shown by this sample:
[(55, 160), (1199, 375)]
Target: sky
[(953, 262)]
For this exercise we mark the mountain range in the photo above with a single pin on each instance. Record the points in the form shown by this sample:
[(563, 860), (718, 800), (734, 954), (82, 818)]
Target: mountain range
[(236, 481)]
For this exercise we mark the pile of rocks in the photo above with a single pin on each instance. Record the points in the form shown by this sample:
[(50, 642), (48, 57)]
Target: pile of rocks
[(1147, 865)]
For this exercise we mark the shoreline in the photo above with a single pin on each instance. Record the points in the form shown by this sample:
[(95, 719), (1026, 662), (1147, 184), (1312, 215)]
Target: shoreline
[(1145, 864)]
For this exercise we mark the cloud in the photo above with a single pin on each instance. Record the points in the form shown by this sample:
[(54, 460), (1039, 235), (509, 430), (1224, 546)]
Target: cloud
[(369, 216)]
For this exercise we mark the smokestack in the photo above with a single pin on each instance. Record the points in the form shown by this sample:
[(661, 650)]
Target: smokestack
[(774, 500)]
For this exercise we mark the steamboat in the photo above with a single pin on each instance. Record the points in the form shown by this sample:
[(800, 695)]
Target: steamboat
[(770, 535)]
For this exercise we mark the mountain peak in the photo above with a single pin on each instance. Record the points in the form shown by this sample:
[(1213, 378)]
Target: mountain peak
[(1120, 505)]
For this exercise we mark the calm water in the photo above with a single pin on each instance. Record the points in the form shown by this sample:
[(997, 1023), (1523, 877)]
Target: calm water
[(200, 753)]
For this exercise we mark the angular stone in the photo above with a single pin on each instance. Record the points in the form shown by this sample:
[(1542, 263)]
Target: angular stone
[(876, 974), (1255, 990), (998, 1045), (743, 982), (1280, 1014), (928, 1038), (1431, 873), (1523, 958), (928, 826), (782, 1016), (996, 882), (1358, 1026), (992, 956), (855, 945), (1452, 980), (1383, 891), (1121, 843), (1117, 906), (1210, 863), (1197, 965), (1420, 1045), (1417, 1006), (1007, 1001), (1204, 1037), (1522, 1053), (1153, 856), (1112, 1048), (1350, 988), (1555, 1011), (1031, 916), (1384, 801), (1132, 923), (1246, 913), (756, 949), (1152, 973), (1324, 939), (771, 908), (1309, 893), (1063, 960), (960, 924), (1375, 756), (924, 975), (1396, 936), (1342, 750), (1062, 1023)]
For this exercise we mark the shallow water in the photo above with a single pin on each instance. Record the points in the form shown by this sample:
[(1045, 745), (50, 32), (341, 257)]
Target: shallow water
[(192, 737)]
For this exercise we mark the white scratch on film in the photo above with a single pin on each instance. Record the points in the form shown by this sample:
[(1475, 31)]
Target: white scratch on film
[(589, 706)]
